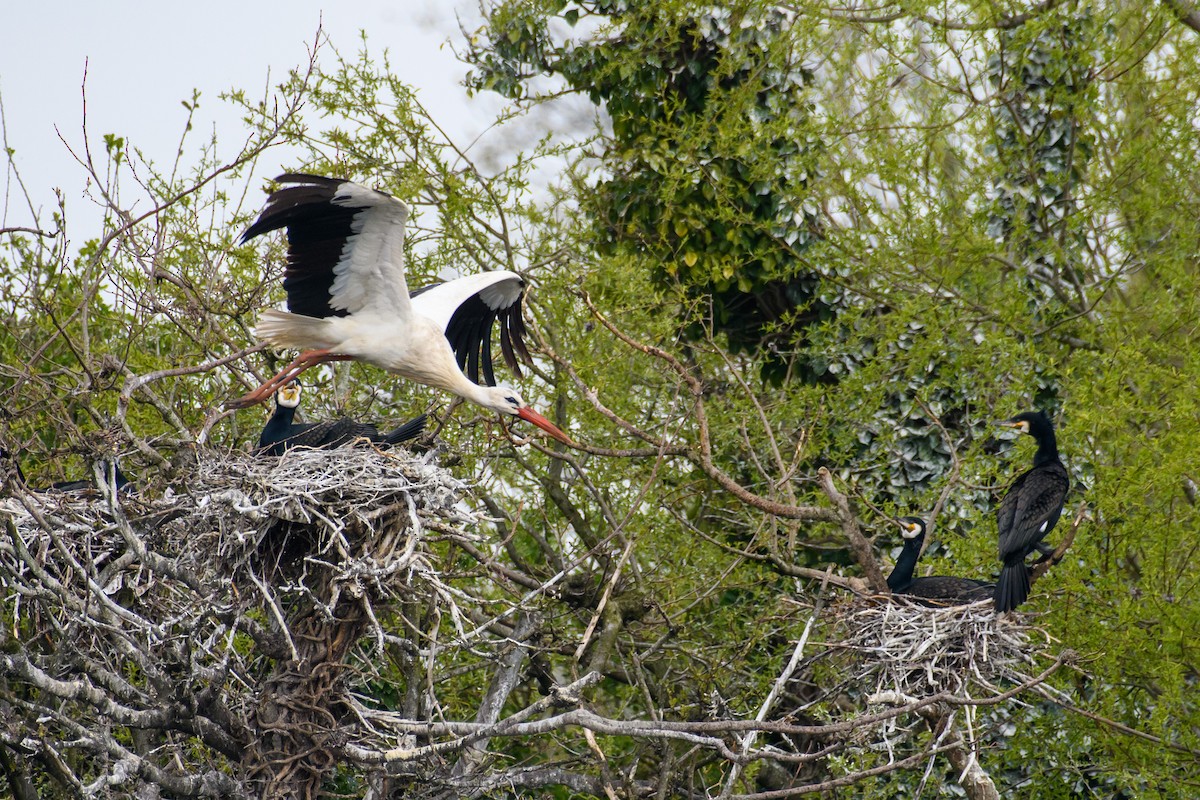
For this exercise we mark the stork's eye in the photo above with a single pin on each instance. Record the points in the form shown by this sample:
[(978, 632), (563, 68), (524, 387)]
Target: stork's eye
[(513, 400)]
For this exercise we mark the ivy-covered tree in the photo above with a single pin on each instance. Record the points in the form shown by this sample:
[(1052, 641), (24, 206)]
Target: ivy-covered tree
[(921, 219), (708, 160)]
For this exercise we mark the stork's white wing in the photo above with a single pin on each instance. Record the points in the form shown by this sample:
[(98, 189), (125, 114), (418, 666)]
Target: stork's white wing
[(497, 291), (466, 308), (370, 272), (345, 246)]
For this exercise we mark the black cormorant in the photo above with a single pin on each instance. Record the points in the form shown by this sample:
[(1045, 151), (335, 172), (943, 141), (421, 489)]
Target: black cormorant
[(122, 482), (940, 589), (1029, 510), (281, 434)]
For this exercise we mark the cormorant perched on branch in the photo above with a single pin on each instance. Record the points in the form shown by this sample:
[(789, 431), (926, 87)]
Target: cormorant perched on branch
[(942, 589), (282, 434), (1029, 510)]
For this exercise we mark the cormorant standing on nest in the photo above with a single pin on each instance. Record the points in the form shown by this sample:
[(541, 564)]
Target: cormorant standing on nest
[(1029, 510), (941, 589), (282, 434)]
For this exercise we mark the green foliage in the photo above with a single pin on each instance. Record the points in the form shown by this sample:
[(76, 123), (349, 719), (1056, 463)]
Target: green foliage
[(709, 169), (863, 240), (1043, 142), (976, 270)]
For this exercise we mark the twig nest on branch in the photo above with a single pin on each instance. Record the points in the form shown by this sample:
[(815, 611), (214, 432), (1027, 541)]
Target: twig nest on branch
[(354, 513), (250, 598), (900, 651)]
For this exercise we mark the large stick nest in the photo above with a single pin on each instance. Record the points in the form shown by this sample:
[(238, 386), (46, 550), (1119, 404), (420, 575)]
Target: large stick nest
[(235, 597), (357, 515), (918, 651), (891, 652)]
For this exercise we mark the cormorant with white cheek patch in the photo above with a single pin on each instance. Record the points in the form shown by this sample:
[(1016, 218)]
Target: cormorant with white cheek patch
[(282, 433), (939, 590)]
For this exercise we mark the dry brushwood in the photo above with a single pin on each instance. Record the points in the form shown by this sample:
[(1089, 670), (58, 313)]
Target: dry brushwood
[(232, 637), (224, 612), (930, 663), (909, 650)]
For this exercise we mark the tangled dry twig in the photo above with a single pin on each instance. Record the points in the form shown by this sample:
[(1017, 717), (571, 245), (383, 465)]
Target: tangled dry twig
[(239, 593), (223, 638)]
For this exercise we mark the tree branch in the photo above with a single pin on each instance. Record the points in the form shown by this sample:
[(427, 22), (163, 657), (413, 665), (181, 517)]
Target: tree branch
[(1186, 12), (863, 553)]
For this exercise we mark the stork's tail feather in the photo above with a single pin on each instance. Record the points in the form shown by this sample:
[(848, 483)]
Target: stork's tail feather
[(1013, 587), (409, 430), (292, 331)]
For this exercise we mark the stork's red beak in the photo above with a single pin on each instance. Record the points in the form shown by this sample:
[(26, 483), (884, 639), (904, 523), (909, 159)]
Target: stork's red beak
[(529, 415)]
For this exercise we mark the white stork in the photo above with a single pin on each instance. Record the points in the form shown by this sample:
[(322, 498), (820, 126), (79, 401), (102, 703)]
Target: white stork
[(348, 300)]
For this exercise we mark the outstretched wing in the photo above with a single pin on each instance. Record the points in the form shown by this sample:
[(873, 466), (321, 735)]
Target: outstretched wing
[(466, 308), (345, 246)]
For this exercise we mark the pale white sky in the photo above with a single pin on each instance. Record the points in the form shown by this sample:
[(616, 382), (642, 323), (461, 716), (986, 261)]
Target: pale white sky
[(144, 58)]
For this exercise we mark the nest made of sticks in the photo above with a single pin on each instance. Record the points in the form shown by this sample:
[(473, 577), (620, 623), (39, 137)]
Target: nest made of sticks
[(898, 651), (360, 508), (246, 585), (232, 510)]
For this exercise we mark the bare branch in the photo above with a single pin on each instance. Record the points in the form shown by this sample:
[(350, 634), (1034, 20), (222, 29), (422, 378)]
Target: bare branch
[(701, 454), (864, 554)]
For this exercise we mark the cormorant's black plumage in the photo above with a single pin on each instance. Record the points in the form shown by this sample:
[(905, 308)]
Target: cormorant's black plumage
[(1029, 510), (939, 590), (87, 484), (282, 433)]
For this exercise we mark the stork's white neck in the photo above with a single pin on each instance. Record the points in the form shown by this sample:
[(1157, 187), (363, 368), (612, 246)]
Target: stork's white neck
[(490, 397)]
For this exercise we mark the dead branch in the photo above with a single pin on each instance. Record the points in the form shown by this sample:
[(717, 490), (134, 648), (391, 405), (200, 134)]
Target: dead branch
[(864, 554)]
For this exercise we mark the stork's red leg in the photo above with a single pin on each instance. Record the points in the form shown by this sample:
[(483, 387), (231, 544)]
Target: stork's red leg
[(309, 358)]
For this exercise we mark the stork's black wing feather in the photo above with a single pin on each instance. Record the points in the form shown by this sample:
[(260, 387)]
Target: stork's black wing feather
[(512, 338), (468, 327), (471, 337), (317, 231), (469, 333)]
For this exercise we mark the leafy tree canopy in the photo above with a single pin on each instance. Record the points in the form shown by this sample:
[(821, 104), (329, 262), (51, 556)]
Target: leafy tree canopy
[(808, 254)]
